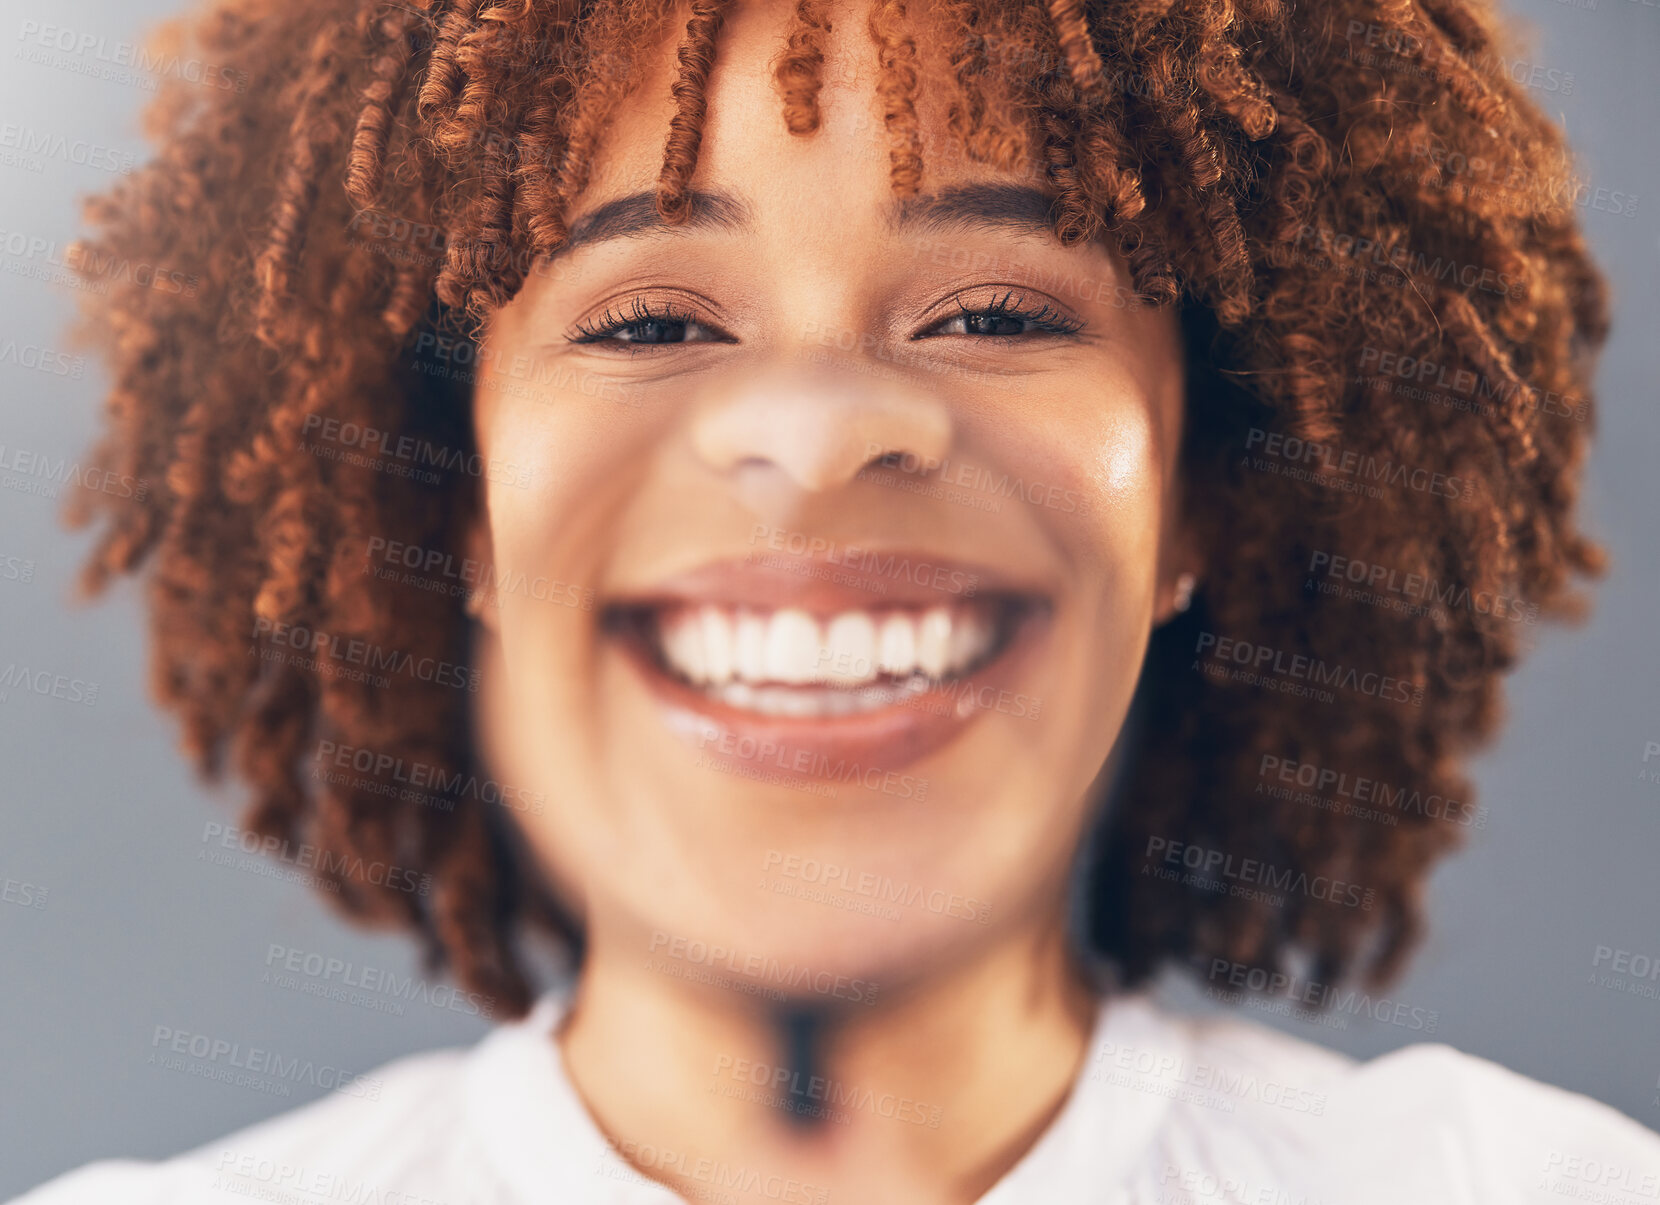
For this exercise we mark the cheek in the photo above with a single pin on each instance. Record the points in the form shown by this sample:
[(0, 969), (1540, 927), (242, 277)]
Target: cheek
[(569, 428), (1114, 546), (582, 456), (1124, 463), (551, 541), (1118, 461), (540, 585)]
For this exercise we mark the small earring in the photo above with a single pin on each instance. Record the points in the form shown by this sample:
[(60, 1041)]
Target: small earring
[(1184, 591)]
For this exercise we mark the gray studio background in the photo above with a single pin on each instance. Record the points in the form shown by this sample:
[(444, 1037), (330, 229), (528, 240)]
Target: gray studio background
[(134, 932)]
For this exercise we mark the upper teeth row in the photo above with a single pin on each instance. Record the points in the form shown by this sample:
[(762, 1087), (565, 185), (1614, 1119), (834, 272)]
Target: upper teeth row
[(712, 644)]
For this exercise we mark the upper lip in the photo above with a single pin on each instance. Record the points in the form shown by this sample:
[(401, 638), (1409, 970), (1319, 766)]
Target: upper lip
[(855, 577)]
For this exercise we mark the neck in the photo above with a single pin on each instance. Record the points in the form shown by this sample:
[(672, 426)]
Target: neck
[(927, 1096)]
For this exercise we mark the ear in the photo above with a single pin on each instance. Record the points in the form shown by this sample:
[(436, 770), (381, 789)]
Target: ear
[(1181, 569), (482, 602)]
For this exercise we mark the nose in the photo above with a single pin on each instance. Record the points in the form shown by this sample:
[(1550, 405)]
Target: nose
[(818, 429)]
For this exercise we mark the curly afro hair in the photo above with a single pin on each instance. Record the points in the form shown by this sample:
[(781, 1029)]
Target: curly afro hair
[(1335, 194)]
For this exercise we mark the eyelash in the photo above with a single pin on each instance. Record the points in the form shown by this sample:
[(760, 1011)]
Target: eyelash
[(605, 328), (1044, 319)]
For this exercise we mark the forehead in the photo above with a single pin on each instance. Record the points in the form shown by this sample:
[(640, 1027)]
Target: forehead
[(745, 142)]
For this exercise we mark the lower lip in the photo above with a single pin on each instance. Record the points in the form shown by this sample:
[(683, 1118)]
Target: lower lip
[(882, 740)]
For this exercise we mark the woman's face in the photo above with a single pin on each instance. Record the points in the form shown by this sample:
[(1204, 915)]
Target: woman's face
[(827, 708)]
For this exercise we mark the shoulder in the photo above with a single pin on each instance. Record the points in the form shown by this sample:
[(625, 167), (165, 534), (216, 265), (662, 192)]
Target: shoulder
[(393, 1128), (1496, 1126), (1425, 1122)]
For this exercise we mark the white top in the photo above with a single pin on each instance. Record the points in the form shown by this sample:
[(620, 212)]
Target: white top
[(1167, 1110)]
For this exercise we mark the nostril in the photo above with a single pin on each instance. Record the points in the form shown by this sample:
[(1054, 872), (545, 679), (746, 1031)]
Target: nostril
[(818, 432)]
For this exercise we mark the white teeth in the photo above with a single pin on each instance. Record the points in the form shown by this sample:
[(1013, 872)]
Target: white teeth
[(683, 646), (971, 635), (850, 649), (933, 642), (717, 643), (792, 701), (840, 702), (761, 661), (898, 645), (738, 694), (792, 647), (749, 648)]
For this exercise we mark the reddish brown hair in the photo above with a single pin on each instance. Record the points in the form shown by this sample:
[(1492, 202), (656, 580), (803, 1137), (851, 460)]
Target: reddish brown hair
[(1261, 165)]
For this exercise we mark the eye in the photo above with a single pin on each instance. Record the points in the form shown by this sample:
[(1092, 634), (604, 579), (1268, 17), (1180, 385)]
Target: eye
[(647, 324), (1008, 316)]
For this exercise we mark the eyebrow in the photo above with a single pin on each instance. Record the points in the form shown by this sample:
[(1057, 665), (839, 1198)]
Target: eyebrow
[(636, 216), (990, 207), (958, 208)]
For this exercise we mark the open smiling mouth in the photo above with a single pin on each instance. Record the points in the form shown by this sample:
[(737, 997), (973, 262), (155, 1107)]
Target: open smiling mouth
[(826, 669), (788, 662)]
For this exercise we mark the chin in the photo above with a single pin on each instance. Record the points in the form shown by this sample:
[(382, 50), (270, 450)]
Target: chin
[(806, 954)]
